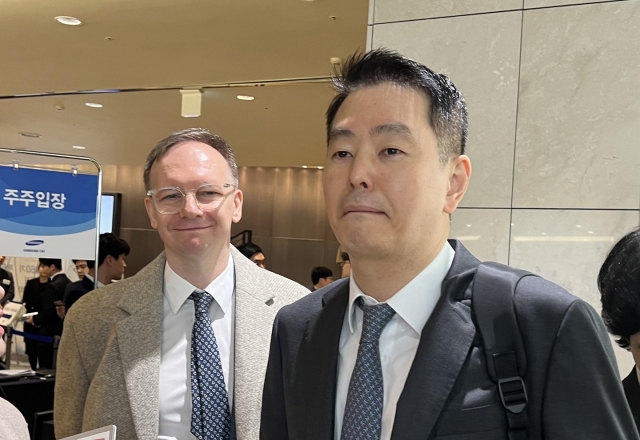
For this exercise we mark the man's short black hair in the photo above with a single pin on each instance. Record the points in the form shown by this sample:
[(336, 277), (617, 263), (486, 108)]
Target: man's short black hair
[(249, 249), (90, 263), (111, 245), (447, 110), (51, 262), (320, 272), (619, 284)]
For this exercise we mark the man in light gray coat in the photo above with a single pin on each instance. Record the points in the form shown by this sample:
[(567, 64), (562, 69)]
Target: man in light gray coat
[(148, 353)]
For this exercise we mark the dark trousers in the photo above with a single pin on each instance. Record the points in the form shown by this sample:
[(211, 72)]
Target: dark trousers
[(45, 355), (32, 353)]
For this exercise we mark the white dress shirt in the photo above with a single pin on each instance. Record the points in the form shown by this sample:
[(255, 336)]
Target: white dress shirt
[(399, 340), (175, 364)]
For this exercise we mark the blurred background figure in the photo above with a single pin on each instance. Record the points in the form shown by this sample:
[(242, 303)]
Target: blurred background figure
[(320, 277), (619, 284), (31, 300), (112, 252), (254, 253), (12, 424), (7, 282), (345, 264), (82, 268)]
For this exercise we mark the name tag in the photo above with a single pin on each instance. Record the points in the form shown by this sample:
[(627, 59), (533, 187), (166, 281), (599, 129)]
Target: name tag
[(6, 282)]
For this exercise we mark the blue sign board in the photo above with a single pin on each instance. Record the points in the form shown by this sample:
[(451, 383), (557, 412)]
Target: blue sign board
[(47, 213)]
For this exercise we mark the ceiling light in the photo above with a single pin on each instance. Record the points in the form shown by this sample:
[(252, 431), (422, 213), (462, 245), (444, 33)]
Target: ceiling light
[(93, 104), (30, 135), (468, 226), (304, 166), (69, 21), (191, 103), (79, 147), (245, 97), (578, 226), (320, 168)]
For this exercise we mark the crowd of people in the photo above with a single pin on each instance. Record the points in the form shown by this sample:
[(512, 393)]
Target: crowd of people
[(417, 339)]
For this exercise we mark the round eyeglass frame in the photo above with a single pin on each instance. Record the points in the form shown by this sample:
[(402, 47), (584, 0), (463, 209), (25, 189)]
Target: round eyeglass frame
[(185, 192)]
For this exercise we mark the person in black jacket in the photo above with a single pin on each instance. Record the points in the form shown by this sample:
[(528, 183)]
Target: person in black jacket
[(619, 284), (47, 319), (31, 300)]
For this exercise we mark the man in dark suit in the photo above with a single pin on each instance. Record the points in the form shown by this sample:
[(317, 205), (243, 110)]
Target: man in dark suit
[(111, 265), (47, 320), (619, 284), (393, 351), (31, 300)]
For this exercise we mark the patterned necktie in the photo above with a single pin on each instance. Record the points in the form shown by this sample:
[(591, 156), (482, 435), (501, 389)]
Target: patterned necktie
[(365, 398), (210, 415)]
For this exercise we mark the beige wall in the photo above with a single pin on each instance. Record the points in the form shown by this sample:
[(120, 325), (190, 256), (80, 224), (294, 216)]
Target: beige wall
[(554, 104), (283, 207)]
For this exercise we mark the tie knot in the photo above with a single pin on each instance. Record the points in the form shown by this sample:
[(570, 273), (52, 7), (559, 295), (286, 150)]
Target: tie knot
[(375, 318), (201, 302)]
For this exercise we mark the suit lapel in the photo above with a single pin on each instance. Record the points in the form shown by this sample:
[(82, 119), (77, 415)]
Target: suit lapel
[(253, 322), (140, 342), (442, 351), (318, 361)]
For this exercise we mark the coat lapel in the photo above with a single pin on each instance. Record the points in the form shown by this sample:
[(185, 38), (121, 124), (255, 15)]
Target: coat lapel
[(442, 351), (254, 318), (318, 360), (140, 342)]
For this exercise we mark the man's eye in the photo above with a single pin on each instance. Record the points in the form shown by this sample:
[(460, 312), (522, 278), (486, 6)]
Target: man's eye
[(391, 151), (341, 154)]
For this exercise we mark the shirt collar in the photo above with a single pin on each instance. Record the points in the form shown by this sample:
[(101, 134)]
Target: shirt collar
[(177, 289), (56, 274), (423, 290), (90, 278)]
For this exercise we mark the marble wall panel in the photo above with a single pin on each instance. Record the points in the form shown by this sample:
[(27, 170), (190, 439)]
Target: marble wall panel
[(549, 3), (481, 55), (579, 108), (568, 247), (484, 232), (399, 10)]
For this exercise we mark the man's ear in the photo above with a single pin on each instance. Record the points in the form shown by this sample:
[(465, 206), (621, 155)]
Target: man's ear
[(459, 178), (151, 212)]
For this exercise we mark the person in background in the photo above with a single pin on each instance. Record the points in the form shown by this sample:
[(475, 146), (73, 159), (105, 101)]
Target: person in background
[(48, 319), (112, 252), (33, 290), (619, 285), (82, 267), (178, 350), (7, 282), (254, 253), (345, 264), (13, 426), (321, 276)]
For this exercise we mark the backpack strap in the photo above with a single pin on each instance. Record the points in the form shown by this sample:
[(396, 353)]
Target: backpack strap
[(494, 286)]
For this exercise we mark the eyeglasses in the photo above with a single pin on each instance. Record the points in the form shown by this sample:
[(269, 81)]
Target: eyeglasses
[(171, 199)]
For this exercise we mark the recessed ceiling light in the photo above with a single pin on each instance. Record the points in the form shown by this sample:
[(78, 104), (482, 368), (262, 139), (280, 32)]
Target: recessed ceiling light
[(30, 135), (79, 147), (320, 168), (69, 21), (304, 166), (245, 97), (93, 104)]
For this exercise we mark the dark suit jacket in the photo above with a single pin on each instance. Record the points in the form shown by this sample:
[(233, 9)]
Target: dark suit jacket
[(8, 284), (47, 319), (31, 300), (572, 380), (77, 290), (632, 391)]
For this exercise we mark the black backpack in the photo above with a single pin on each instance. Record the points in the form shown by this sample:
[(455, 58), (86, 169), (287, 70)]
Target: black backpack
[(494, 286)]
